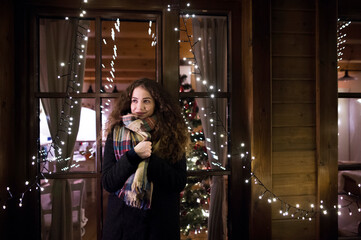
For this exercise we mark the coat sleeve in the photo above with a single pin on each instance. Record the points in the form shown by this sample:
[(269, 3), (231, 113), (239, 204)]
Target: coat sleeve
[(169, 176), (115, 173)]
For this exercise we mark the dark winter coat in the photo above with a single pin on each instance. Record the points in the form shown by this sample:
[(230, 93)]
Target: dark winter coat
[(161, 222)]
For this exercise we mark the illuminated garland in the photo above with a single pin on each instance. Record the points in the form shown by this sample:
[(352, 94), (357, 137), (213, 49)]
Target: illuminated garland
[(341, 39)]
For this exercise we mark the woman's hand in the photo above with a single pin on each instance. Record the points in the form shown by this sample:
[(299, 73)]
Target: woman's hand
[(143, 149)]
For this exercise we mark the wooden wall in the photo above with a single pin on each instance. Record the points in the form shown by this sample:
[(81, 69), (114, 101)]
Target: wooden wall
[(293, 114), (296, 122)]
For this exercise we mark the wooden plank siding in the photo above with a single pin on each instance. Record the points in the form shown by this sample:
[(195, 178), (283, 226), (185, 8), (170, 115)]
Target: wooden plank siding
[(293, 115)]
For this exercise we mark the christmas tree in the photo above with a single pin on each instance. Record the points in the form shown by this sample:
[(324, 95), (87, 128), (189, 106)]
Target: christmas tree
[(195, 197)]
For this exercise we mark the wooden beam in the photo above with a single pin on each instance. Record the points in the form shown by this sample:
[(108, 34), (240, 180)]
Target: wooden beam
[(241, 113), (260, 219), (26, 127), (351, 52), (170, 70), (122, 44), (349, 10), (119, 79), (124, 63), (118, 76), (7, 110), (128, 51), (326, 118)]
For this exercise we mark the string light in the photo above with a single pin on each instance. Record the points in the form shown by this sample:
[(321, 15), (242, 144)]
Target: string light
[(272, 198), (197, 70), (65, 120), (341, 39)]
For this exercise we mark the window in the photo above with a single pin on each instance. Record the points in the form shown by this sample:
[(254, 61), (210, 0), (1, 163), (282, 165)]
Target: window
[(204, 98), (349, 111), (83, 64)]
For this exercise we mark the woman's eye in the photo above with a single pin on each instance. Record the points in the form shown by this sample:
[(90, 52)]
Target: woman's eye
[(134, 101)]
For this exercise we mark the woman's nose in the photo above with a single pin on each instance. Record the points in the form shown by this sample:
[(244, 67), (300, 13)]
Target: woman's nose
[(140, 106)]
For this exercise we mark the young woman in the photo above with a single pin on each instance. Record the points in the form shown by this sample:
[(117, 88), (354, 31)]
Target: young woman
[(144, 167)]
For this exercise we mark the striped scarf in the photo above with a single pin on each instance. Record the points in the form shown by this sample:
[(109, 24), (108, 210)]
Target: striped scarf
[(137, 190)]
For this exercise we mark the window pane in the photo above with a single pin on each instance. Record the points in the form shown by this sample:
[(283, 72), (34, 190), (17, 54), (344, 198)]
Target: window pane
[(349, 129), (197, 212), (203, 68), (74, 199), (128, 52), (350, 86), (203, 53), (67, 135), (348, 49), (349, 110), (63, 54), (106, 108), (89, 75), (349, 153), (207, 123)]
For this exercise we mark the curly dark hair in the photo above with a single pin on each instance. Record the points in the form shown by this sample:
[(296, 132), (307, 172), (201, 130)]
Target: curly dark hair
[(170, 130)]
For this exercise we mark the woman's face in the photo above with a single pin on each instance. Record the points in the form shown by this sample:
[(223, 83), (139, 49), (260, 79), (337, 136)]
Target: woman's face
[(142, 103)]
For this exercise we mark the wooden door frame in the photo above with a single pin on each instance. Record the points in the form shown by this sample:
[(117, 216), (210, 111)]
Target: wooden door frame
[(326, 117)]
